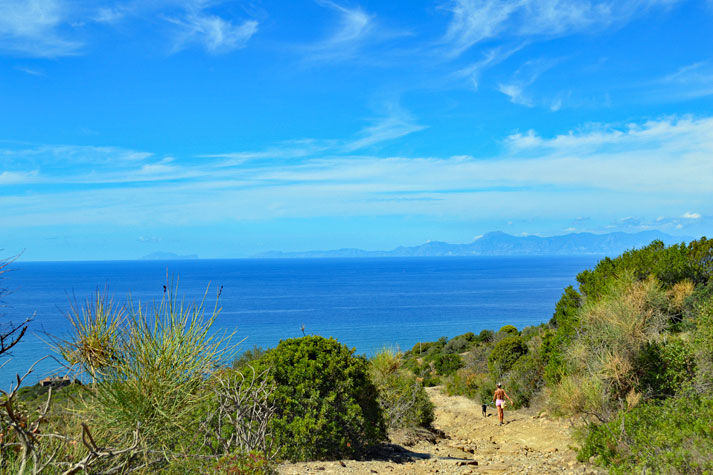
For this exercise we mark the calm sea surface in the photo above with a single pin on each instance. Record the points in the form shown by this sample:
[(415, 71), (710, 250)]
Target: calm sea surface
[(365, 303)]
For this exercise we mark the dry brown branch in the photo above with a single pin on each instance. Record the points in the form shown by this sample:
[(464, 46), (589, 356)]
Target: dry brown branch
[(97, 453), (245, 409), (25, 430)]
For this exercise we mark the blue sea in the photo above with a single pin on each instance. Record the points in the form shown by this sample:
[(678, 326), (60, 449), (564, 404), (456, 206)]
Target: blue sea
[(368, 304)]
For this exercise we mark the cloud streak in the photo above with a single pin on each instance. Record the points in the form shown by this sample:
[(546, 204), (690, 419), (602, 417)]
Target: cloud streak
[(476, 21), (605, 170), (34, 28)]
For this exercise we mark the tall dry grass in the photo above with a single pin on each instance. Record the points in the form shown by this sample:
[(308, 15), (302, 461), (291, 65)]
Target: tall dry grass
[(602, 374)]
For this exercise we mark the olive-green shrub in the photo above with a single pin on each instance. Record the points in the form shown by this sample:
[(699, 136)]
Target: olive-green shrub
[(446, 364), (675, 436), (504, 355), (327, 406), (510, 330), (402, 398)]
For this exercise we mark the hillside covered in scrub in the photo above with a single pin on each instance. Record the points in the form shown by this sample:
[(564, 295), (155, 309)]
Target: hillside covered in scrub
[(627, 357)]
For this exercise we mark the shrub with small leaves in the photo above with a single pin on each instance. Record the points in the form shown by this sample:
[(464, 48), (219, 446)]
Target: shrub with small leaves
[(327, 407), (510, 330), (505, 354)]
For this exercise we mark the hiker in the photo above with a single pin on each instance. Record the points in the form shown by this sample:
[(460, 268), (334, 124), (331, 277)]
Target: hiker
[(499, 398)]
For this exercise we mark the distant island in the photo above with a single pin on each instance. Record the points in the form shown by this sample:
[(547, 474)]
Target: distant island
[(168, 256), (499, 243)]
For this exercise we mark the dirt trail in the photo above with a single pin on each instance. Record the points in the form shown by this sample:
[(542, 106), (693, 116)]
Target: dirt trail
[(470, 444)]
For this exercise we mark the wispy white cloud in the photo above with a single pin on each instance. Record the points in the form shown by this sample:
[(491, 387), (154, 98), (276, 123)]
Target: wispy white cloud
[(30, 71), (601, 170), (475, 21), (35, 28), (525, 76), (688, 82), (490, 58), (354, 32), (213, 33), (395, 123)]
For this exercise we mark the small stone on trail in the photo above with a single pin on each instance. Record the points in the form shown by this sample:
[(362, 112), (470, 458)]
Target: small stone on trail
[(342, 464)]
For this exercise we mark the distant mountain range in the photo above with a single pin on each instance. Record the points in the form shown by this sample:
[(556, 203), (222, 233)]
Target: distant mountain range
[(501, 244), (167, 256)]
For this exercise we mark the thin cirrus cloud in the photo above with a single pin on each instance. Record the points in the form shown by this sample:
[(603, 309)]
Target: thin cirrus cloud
[(688, 82), (50, 28), (525, 76), (620, 170), (213, 33), (353, 29), (37, 28), (475, 21)]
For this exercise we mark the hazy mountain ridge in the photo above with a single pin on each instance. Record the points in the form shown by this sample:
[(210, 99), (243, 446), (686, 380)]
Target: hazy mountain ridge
[(499, 243)]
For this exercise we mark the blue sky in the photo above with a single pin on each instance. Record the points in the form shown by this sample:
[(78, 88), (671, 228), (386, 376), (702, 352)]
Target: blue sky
[(229, 128)]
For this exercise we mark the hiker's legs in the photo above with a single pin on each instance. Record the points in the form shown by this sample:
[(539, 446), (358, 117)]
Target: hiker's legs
[(500, 413)]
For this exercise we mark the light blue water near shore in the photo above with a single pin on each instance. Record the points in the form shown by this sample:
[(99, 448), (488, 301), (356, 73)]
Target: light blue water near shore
[(364, 303)]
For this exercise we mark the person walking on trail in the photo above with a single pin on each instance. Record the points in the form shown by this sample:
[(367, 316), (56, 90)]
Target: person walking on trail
[(499, 398)]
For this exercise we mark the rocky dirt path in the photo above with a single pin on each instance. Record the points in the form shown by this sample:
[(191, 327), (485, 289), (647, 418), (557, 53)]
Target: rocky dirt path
[(469, 443)]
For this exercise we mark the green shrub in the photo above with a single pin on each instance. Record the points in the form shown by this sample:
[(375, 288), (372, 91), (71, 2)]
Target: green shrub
[(664, 368), (456, 345), (703, 346), (673, 437), (402, 398), (248, 356), (327, 405), (510, 330), (505, 354), (524, 380), (470, 337), (446, 364), (485, 336), (463, 382)]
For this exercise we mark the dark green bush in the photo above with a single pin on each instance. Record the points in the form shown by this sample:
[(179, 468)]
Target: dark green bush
[(327, 405), (505, 354), (665, 368), (510, 330), (447, 364), (485, 336), (675, 437), (248, 356), (524, 380), (456, 345), (470, 337)]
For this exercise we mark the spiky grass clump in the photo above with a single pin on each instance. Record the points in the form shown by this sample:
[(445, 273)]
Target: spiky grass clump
[(93, 343)]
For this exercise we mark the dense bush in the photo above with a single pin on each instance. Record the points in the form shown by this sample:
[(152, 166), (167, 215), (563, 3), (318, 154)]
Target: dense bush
[(509, 329), (505, 354), (485, 336), (673, 437), (456, 345), (524, 380), (327, 405), (402, 398), (664, 368), (446, 364)]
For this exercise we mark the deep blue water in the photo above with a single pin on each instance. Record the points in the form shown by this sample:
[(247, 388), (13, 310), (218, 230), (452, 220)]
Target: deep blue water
[(365, 303)]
